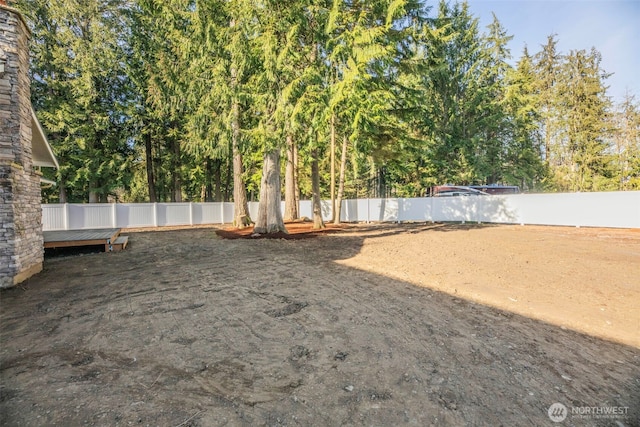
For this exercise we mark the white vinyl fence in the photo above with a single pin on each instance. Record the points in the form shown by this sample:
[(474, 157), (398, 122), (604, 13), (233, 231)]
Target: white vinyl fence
[(613, 209)]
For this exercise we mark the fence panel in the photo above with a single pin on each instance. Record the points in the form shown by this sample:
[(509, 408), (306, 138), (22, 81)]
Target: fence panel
[(498, 209), (54, 217), (618, 209), (207, 213), (306, 209), (253, 210), (613, 209), (135, 215), (228, 212), (90, 215), (418, 209), (349, 211), (462, 209), (173, 214)]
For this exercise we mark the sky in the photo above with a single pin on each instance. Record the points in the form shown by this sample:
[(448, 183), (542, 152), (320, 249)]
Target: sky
[(611, 26)]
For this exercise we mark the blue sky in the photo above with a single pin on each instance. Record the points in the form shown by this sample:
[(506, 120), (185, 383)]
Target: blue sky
[(611, 26)]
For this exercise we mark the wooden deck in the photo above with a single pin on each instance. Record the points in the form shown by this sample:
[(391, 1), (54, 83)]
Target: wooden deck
[(109, 237)]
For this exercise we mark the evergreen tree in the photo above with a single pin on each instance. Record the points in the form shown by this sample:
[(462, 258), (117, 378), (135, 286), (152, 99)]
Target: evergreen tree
[(627, 143), (524, 156), (547, 69), (583, 142), (492, 120), (197, 99), (219, 62), (455, 56), (81, 92), (276, 26)]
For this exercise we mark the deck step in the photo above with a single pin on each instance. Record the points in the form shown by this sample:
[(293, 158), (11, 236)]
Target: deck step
[(120, 243)]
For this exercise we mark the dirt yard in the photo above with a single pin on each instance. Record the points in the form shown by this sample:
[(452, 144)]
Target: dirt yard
[(377, 325)]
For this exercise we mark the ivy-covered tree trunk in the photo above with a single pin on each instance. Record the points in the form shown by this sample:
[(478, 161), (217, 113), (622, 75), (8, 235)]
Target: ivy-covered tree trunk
[(291, 211), (269, 218)]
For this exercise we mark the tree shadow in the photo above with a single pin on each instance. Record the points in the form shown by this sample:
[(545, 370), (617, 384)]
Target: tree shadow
[(256, 331)]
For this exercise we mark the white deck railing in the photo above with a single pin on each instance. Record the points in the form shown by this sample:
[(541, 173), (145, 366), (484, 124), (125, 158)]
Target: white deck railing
[(620, 209)]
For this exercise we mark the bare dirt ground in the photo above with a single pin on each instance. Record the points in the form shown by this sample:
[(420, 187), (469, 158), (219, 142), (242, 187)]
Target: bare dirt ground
[(382, 325)]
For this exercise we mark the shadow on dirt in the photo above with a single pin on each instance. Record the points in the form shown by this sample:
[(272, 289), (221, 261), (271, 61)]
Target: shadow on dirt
[(187, 328)]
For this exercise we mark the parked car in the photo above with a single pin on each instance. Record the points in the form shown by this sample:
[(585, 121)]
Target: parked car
[(454, 190), (497, 189)]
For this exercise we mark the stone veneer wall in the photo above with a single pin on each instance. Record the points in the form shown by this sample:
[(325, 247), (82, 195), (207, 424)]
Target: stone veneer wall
[(21, 242)]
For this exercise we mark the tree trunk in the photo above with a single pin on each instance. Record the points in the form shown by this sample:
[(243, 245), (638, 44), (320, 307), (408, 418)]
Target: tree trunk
[(315, 190), (151, 179), (333, 167), (241, 216), (161, 186), (62, 192), (296, 168), (93, 195), (381, 183), (291, 211), (203, 192), (228, 175), (343, 167), (216, 194), (176, 193), (206, 190), (269, 211)]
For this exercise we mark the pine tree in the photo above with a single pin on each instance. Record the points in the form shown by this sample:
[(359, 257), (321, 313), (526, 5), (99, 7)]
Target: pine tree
[(219, 62), (585, 123), (489, 89), (627, 143), (276, 26), (81, 92), (454, 53), (523, 157), (157, 32), (547, 69)]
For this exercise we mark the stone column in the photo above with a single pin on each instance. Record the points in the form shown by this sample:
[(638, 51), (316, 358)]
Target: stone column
[(21, 242)]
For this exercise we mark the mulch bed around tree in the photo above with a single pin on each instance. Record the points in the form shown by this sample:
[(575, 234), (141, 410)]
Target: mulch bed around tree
[(296, 230)]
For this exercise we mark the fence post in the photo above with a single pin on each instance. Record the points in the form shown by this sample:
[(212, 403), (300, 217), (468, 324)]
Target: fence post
[(222, 212), (431, 209), (155, 214), (114, 220), (190, 213), (66, 216)]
